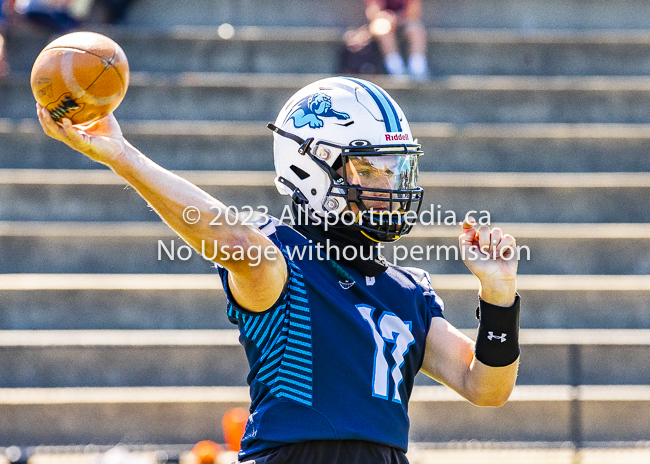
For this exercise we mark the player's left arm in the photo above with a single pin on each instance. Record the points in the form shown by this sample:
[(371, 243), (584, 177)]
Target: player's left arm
[(452, 358)]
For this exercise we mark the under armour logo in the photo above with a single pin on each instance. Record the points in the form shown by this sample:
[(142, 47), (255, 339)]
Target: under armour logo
[(491, 336)]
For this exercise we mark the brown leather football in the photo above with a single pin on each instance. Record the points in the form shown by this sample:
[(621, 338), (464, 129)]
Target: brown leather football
[(82, 76)]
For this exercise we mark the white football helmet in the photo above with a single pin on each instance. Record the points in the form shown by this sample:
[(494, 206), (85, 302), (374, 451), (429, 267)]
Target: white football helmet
[(343, 144)]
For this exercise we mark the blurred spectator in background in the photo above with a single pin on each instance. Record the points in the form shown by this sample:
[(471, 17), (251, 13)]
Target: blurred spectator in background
[(63, 16), (4, 10), (386, 17), (54, 17), (4, 67), (57, 16), (115, 11), (360, 53)]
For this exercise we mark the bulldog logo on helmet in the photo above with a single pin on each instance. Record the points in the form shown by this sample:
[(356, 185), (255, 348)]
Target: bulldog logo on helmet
[(308, 110)]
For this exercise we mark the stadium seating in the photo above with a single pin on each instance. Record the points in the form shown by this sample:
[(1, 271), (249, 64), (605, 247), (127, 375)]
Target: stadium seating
[(537, 112)]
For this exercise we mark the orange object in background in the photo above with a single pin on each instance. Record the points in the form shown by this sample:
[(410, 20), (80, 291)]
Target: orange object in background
[(206, 452), (234, 424)]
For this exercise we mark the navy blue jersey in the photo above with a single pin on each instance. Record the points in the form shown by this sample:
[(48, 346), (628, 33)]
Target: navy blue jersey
[(335, 357)]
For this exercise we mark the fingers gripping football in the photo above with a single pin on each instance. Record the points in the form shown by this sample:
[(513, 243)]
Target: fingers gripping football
[(62, 131), (101, 140)]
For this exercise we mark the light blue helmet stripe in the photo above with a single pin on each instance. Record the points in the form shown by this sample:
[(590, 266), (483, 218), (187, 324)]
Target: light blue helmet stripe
[(388, 112)]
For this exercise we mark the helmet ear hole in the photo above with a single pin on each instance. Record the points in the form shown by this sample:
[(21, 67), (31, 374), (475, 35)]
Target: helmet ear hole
[(299, 172)]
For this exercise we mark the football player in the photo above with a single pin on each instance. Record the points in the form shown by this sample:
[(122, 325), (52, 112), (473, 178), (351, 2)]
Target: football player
[(334, 342)]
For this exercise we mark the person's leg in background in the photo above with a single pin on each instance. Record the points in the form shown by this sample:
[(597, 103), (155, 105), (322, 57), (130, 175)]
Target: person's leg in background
[(383, 25), (116, 10), (4, 66), (416, 35)]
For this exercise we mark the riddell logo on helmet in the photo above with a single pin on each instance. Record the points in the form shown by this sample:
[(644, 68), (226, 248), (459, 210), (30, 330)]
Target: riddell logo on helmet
[(397, 137)]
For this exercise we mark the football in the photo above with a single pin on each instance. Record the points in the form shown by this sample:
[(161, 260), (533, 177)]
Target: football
[(82, 76)]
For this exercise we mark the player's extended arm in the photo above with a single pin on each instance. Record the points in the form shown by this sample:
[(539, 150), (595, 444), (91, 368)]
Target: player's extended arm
[(451, 357), (255, 287)]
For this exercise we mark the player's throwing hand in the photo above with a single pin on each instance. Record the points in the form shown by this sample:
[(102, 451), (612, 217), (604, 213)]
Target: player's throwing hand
[(102, 141)]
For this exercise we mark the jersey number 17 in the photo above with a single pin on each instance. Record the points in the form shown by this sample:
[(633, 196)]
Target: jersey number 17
[(389, 328)]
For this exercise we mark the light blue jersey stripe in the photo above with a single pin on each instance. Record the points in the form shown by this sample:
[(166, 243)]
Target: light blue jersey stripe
[(298, 298), (266, 331), (299, 343), (296, 350), (262, 379), (293, 390), (302, 360), (295, 398), (300, 334), (289, 325), (298, 289), (260, 326), (296, 366), (300, 326), (284, 378)]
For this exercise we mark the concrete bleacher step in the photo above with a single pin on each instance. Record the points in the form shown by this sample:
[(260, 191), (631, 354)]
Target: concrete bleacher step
[(530, 453), (100, 195), (220, 145), (202, 49), (558, 301), (317, 50), (528, 14), (123, 358), (548, 248), (70, 247), (130, 358), (174, 415), (419, 453), (63, 416), (112, 301), (538, 413), (454, 99), (145, 381), (197, 301)]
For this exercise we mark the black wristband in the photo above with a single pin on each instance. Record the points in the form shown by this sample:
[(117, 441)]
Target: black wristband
[(497, 342)]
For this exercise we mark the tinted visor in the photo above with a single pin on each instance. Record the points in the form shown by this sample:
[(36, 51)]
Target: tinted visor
[(381, 181), (389, 172)]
